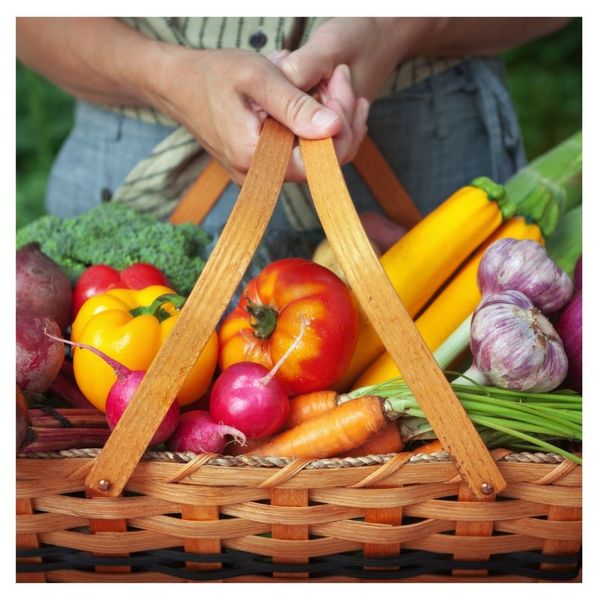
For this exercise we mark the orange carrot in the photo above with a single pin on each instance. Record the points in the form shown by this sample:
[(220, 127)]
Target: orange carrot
[(235, 449), (429, 448), (388, 441), (306, 406), (331, 433)]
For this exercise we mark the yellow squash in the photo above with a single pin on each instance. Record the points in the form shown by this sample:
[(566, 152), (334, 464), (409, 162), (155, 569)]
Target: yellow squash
[(419, 263), (455, 302)]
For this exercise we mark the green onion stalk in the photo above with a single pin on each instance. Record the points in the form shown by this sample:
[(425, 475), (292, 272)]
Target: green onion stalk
[(550, 186), (515, 419)]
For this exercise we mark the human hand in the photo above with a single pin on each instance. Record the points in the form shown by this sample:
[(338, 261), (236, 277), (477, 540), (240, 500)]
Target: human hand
[(370, 46), (336, 93), (223, 96)]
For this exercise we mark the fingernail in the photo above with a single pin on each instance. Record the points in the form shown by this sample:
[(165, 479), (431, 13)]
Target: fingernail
[(324, 118), (346, 71), (322, 94), (278, 56), (297, 157), (364, 110)]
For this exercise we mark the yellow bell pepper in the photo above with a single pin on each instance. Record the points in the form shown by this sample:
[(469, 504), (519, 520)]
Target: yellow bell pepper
[(130, 327)]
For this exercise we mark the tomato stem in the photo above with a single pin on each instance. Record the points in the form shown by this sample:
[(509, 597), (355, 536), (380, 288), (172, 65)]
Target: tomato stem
[(263, 319)]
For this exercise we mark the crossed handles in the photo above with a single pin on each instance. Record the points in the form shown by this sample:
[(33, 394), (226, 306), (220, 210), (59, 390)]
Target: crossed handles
[(219, 280)]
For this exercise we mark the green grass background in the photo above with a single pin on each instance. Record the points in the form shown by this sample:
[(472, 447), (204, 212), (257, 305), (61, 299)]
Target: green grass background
[(544, 79)]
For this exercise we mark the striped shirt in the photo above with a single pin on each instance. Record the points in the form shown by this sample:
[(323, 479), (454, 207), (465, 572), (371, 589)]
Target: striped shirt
[(159, 180), (264, 35)]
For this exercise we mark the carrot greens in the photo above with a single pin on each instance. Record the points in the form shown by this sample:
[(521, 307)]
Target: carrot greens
[(518, 420)]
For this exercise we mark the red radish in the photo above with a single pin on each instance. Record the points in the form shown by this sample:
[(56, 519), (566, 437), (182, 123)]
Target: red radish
[(236, 448), (120, 395), (248, 397), (197, 432), (242, 398), (122, 391)]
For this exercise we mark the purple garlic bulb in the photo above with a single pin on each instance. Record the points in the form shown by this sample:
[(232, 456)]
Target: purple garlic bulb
[(524, 265), (515, 346)]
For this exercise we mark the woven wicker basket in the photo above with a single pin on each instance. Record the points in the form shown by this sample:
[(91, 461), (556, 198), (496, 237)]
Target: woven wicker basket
[(209, 518), (123, 514)]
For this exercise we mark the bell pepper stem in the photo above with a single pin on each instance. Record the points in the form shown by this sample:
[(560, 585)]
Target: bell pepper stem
[(155, 309)]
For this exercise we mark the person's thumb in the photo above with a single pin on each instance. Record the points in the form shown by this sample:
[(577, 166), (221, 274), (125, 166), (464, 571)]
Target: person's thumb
[(307, 66), (299, 112)]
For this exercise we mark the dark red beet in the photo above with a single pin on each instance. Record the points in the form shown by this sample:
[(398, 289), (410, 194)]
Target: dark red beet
[(39, 358), (43, 288), (570, 330)]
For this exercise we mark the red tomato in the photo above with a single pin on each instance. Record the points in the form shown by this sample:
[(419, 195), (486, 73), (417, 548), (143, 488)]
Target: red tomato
[(288, 296), (141, 275), (100, 278)]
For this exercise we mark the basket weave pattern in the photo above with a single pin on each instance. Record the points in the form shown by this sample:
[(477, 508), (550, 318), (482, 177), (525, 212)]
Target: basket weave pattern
[(214, 518)]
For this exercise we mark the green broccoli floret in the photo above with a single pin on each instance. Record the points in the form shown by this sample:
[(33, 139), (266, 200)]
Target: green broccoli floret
[(117, 235)]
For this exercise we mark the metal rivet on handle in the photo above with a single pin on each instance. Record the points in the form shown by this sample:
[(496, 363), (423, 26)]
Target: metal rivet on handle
[(487, 488), (104, 485)]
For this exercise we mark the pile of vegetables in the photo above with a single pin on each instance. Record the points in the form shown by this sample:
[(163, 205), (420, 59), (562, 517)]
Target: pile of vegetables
[(518, 358), (294, 369)]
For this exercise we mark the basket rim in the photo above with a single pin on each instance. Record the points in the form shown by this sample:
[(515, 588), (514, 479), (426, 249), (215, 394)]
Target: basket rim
[(220, 460)]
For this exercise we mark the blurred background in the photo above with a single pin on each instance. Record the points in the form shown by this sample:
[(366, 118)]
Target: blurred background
[(544, 78)]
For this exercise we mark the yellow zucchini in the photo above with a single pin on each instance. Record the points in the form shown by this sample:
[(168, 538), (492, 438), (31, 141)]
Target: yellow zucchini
[(455, 302), (420, 262)]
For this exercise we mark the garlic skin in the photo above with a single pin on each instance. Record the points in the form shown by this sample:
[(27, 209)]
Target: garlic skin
[(515, 346), (524, 265)]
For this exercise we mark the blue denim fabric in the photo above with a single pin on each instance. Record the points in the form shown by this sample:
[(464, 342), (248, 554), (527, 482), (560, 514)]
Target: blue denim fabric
[(96, 157), (443, 132), (101, 150), (437, 135)]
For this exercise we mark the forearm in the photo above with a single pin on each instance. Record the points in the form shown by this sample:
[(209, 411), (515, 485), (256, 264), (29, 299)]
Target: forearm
[(221, 96), (95, 59), (459, 36)]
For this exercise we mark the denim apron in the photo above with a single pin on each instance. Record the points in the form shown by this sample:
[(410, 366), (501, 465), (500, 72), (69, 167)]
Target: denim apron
[(437, 135)]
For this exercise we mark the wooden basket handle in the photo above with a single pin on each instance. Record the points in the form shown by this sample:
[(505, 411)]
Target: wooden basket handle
[(386, 188), (222, 274), (199, 317), (202, 195), (403, 341), (369, 163)]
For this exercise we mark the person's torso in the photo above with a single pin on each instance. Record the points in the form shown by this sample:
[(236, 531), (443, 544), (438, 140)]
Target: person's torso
[(264, 35)]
